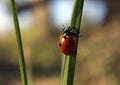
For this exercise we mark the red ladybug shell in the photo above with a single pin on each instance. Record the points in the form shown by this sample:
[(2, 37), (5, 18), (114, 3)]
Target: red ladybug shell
[(67, 44)]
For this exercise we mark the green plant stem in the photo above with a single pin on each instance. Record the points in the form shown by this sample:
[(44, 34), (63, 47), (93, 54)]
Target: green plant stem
[(70, 60), (19, 43)]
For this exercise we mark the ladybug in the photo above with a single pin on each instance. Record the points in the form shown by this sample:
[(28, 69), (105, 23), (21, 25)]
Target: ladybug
[(67, 42)]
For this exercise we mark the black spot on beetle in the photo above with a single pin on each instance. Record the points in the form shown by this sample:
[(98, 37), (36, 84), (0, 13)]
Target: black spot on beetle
[(60, 45), (67, 46)]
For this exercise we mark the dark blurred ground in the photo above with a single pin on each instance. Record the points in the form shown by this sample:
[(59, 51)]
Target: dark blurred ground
[(98, 51)]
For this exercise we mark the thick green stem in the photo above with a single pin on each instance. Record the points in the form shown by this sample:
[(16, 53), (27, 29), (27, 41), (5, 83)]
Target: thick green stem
[(19, 43), (70, 61)]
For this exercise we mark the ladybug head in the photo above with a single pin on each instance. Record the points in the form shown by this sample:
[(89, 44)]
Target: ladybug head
[(68, 31)]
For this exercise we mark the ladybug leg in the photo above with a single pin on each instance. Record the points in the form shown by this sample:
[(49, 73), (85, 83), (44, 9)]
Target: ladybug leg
[(73, 29), (63, 27), (69, 28), (75, 33), (67, 25), (80, 35)]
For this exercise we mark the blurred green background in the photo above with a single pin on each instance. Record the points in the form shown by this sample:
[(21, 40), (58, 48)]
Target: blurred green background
[(98, 59)]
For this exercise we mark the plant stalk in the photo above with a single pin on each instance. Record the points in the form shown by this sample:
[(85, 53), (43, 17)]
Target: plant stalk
[(19, 44), (70, 60)]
